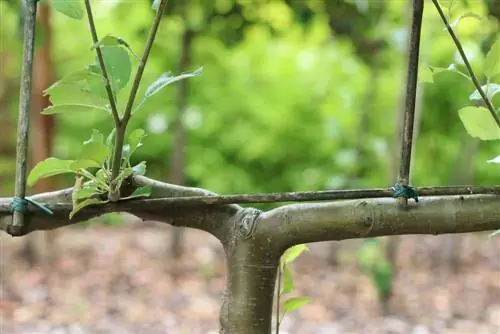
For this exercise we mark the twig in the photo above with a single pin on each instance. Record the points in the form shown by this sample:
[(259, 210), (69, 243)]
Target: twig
[(107, 84), (24, 108), (411, 92), (120, 132), (467, 64)]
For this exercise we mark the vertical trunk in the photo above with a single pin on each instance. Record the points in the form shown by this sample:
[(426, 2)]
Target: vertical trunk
[(247, 305), (177, 170), (38, 247)]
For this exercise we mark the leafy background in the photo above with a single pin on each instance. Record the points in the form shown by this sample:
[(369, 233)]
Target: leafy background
[(277, 108)]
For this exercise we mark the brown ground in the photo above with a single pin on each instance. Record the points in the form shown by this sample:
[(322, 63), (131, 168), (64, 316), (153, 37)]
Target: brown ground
[(118, 280)]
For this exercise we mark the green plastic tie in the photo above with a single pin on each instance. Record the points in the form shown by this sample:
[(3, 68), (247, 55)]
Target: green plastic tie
[(401, 190), (20, 205)]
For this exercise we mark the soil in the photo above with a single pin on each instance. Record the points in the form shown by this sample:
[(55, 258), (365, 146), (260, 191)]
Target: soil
[(123, 280)]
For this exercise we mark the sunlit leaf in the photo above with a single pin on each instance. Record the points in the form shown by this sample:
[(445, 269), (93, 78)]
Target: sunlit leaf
[(70, 8), (118, 67), (292, 253), (479, 123), (110, 40), (492, 63), (295, 303), (464, 16), (86, 192), (49, 167), (95, 151), (425, 75), (288, 285), (490, 90), (167, 79), (495, 160), (140, 192), (140, 168), (65, 108), (84, 163), (85, 203), (135, 139)]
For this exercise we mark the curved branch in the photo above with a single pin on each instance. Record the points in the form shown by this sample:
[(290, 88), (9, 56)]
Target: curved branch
[(312, 222)]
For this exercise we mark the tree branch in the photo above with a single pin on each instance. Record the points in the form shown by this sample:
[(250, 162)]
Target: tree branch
[(460, 49), (304, 223)]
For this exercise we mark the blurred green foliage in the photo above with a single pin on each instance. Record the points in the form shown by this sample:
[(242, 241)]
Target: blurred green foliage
[(282, 92)]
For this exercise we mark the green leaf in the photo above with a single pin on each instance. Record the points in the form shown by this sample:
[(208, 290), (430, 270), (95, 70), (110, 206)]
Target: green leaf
[(70, 8), (49, 167), (288, 285), (140, 192), (479, 123), (167, 79), (295, 303), (85, 203), (140, 168), (86, 192), (425, 75), (490, 90), (83, 164), (495, 160), (110, 40), (292, 253), (135, 139), (95, 149), (111, 138), (463, 16), (118, 67), (60, 108), (492, 63)]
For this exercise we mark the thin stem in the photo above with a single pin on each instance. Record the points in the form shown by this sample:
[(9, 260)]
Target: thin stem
[(120, 132), (467, 64), (411, 91), (24, 108), (95, 39), (278, 300)]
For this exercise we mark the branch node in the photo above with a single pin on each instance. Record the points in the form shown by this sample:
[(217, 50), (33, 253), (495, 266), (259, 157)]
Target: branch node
[(245, 226)]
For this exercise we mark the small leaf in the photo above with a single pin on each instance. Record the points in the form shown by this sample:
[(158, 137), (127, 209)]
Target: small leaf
[(49, 167), (83, 164), (140, 168), (95, 149), (463, 16), (288, 285), (492, 63), (295, 303), (135, 139), (293, 252), (479, 123), (425, 75), (110, 40), (86, 192), (111, 138), (118, 67), (495, 160), (85, 203), (70, 8), (140, 192), (490, 90), (155, 5), (167, 79), (56, 109)]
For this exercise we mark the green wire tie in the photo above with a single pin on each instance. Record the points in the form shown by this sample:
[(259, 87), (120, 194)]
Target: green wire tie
[(401, 190), (20, 204)]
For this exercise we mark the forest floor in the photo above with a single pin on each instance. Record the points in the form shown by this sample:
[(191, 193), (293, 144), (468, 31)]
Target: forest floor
[(123, 280)]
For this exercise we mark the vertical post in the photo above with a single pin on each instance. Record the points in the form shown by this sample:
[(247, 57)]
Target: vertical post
[(24, 108), (411, 93)]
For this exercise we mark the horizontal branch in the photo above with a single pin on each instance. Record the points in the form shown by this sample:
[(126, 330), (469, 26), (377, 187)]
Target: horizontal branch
[(312, 222), (59, 202)]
